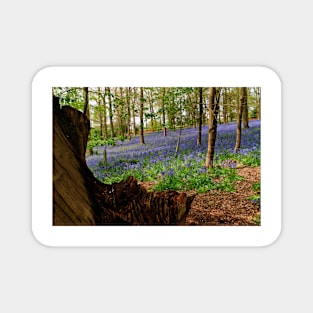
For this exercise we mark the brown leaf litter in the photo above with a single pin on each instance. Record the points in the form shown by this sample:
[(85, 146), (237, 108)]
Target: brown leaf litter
[(220, 208)]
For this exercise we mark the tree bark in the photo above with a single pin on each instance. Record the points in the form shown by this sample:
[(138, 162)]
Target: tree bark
[(80, 199), (163, 112), (258, 98), (128, 113), (142, 139), (104, 121), (86, 98), (110, 112), (245, 113), (119, 112), (225, 103), (133, 111), (200, 117), (239, 118), (213, 112), (100, 112)]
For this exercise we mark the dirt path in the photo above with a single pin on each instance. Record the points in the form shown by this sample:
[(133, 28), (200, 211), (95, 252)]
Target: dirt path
[(218, 208)]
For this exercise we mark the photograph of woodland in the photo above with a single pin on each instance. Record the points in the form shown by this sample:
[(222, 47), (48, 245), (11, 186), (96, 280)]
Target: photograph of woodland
[(156, 156)]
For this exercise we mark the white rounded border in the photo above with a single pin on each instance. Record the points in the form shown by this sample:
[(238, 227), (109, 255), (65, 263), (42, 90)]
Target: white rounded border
[(176, 76)]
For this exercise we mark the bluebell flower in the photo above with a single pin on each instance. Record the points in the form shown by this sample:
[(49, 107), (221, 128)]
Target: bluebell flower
[(159, 149)]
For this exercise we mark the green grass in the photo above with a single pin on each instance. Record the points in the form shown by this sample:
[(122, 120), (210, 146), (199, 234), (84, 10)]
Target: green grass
[(257, 219), (254, 197), (257, 197), (256, 187), (252, 159), (181, 175)]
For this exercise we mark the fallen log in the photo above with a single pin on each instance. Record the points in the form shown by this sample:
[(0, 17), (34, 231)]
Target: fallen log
[(80, 199)]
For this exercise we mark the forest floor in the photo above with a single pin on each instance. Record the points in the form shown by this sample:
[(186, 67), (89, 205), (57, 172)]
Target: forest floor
[(220, 208)]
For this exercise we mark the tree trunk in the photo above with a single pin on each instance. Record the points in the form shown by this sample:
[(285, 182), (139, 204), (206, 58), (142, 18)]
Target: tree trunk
[(225, 103), (194, 120), (128, 113), (118, 115), (180, 130), (189, 112), (258, 98), (259, 115), (245, 116), (86, 98), (152, 116), (239, 118), (110, 112), (163, 113), (80, 199), (122, 115), (200, 117), (133, 111), (105, 127), (213, 112), (142, 139), (100, 112)]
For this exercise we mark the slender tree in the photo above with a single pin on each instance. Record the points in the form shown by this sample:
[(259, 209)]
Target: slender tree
[(180, 127), (108, 92), (213, 113), (258, 100), (163, 112), (103, 120), (150, 98), (86, 100), (133, 107), (200, 117), (142, 139), (99, 108), (239, 118), (189, 111), (118, 105), (225, 103), (128, 112), (245, 114), (193, 111), (171, 108)]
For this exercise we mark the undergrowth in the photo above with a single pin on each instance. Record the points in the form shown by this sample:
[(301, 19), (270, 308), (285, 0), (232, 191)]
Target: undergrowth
[(157, 162)]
